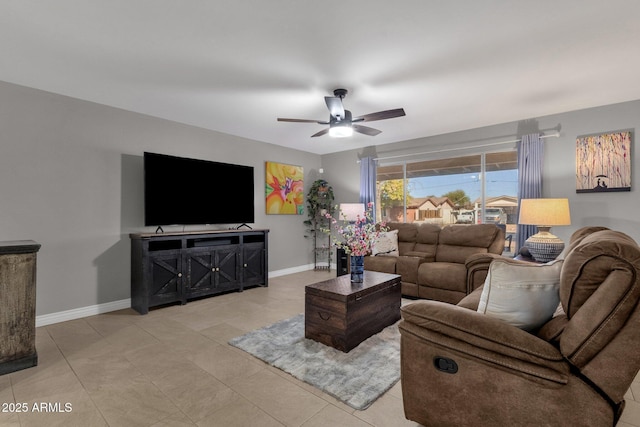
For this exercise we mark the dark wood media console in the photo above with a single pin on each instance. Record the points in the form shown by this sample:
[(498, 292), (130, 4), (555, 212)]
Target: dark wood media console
[(175, 267)]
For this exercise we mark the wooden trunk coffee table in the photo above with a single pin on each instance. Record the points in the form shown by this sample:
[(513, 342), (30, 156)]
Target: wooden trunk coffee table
[(340, 314)]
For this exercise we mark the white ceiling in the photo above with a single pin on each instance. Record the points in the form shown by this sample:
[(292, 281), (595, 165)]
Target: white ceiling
[(235, 66)]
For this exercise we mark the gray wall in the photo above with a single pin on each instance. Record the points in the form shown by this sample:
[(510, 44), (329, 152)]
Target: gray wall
[(615, 210), (71, 178)]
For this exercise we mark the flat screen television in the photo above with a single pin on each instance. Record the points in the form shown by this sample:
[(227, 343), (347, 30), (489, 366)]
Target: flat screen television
[(181, 191)]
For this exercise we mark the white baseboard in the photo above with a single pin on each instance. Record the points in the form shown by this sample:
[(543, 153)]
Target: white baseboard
[(292, 270), (78, 313)]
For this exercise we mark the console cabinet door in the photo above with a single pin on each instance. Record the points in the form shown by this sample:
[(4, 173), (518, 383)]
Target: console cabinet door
[(165, 279), (227, 268), (253, 260), (211, 271)]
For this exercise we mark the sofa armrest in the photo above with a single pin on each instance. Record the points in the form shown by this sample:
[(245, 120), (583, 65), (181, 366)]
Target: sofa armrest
[(477, 268), (481, 260), (484, 338), (407, 267)]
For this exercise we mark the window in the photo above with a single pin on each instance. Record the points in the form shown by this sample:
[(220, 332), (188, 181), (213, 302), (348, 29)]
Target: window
[(461, 190)]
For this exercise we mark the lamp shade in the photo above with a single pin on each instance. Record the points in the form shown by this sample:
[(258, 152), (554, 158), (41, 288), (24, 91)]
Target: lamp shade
[(351, 211), (544, 212)]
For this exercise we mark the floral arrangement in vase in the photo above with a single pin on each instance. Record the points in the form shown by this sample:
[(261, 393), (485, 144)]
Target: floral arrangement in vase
[(356, 238)]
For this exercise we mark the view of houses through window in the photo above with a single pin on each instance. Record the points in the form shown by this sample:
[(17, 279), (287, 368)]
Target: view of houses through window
[(452, 191)]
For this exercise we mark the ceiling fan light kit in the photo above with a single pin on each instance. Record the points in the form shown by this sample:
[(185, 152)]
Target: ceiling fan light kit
[(341, 122), (341, 130)]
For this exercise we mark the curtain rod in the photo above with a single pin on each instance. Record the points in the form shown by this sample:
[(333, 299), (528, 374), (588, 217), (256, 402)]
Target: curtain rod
[(444, 150)]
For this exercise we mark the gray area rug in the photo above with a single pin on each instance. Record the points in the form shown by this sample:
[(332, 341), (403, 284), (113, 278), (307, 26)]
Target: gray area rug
[(356, 378)]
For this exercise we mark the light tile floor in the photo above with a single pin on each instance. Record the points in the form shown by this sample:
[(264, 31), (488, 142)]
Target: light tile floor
[(173, 367)]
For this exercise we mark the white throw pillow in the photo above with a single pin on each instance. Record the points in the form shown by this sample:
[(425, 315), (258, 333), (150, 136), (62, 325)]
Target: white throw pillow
[(386, 244), (523, 295)]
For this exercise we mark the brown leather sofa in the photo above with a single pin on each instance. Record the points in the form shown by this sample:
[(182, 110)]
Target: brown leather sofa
[(461, 367), (440, 262)]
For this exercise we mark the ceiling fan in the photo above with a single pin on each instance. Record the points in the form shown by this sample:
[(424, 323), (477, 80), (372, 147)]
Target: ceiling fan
[(342, 123)]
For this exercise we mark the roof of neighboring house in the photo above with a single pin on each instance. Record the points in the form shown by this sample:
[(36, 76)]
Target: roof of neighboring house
[(417, 203), (499, 201)]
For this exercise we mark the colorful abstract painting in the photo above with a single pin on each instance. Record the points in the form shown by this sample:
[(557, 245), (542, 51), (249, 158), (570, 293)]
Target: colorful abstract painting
[(603, 162), (284, 189)]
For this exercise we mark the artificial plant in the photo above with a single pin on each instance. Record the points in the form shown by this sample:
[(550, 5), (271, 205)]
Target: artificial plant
[(320, 201)]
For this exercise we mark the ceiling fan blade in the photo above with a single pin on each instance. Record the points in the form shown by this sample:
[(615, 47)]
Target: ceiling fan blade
[(334, 104), (366, 130), (322, 132), (380, 115), (320, 122)]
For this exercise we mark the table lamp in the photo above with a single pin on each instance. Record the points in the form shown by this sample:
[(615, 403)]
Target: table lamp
[(544, 213)]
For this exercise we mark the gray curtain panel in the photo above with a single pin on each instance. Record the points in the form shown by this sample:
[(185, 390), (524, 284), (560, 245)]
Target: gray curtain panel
[(530, 159)]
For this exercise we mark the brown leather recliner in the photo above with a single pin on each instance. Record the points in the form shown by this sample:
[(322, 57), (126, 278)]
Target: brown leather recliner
[(464, 368)]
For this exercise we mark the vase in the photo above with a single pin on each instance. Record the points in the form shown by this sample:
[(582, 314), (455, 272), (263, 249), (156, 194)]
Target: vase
[(357, 269)]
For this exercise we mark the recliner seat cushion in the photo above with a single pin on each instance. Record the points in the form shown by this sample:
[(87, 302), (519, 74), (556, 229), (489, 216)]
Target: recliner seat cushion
[(443, 275), (382, 264)]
